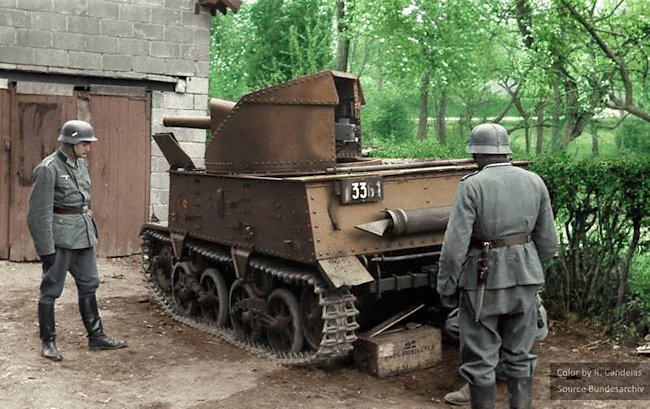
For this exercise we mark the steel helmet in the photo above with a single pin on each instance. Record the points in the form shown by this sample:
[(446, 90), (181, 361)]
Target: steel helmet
[(76, 131), (489, 139)]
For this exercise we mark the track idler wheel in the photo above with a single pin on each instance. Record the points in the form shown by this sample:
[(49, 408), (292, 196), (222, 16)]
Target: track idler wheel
[(162, 263), (243, 318), (284, 330), (183, 295), (213, 299)]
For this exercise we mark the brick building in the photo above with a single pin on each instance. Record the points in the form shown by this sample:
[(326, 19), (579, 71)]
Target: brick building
[(122, 65)]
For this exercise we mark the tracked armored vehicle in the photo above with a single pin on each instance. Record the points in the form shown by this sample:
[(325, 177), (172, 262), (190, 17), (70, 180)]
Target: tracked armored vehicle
[(289, 242)]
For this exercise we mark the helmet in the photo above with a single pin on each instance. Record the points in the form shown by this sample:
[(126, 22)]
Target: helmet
[(489, 139), (76, 131)]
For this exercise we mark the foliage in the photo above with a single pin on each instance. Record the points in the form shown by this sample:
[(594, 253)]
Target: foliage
[(412, 147), (270, 41), (638, 311), (228, 77), (601, 208), (289, 38), (566, 58), (634, 136), (389, 118)]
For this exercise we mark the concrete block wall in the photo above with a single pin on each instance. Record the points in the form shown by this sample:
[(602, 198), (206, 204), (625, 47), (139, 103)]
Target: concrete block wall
[(156, 41), (192, 102)]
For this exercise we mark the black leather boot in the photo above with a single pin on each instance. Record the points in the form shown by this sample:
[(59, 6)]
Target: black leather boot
[(520, 393), (47, 332), (97, 340), (482, 397)]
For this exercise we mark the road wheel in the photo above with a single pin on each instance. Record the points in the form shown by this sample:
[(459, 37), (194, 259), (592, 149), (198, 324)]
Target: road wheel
[(285, 330)]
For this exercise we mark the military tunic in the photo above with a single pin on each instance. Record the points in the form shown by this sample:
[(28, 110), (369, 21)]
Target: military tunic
[(498, 201), (60, 182)]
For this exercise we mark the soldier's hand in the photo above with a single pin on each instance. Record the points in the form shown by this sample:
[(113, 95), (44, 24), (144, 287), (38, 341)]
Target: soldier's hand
[(449, 301), (48, 261)]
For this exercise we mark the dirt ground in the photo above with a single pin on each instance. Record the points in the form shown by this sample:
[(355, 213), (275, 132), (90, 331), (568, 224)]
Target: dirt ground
[(169, 365)]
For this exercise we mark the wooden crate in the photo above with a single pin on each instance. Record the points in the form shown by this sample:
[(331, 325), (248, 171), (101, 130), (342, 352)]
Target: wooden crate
[(398, 352)]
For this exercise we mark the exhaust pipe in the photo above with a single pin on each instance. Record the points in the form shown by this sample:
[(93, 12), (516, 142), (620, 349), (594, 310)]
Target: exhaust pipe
[(400, 222)]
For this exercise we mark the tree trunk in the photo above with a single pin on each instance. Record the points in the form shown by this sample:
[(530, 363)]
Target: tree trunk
[(524, 115), (573, 127), (555, 121), (423, 121), (539, 145), (595, 148), (623, 277), (343, 51), (442, 118)]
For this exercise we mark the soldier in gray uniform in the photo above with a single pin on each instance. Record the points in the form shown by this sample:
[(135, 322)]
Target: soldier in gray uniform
[(461, 397), (65, 234), (500, 231)]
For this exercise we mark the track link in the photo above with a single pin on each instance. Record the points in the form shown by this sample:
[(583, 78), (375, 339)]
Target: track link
[(338, 310)]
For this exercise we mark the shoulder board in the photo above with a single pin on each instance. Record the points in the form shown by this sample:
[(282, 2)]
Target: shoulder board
[(47, 161), (469, 175)]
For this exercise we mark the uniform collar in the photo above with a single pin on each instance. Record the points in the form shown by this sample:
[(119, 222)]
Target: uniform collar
[(66, 159), (494, 165)]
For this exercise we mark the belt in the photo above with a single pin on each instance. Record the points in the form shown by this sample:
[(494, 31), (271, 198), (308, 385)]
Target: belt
[(512, 240), (70, 210)]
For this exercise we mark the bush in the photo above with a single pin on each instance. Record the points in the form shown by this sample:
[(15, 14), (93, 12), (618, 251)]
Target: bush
[(428, 148), (601, 208), (640, 292), (390, 117)]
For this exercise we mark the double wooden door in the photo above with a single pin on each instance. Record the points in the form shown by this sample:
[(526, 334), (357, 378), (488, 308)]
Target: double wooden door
[(31, 116)]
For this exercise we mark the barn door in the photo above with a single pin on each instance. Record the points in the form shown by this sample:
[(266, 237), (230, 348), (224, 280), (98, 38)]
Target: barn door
[(31, 116), (5, 149), (119, 166), (37, 112)]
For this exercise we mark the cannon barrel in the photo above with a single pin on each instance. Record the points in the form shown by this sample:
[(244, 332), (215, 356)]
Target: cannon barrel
[(219, 110), (200, 122)]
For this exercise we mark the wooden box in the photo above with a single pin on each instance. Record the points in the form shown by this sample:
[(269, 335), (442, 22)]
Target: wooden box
[(398, 352)]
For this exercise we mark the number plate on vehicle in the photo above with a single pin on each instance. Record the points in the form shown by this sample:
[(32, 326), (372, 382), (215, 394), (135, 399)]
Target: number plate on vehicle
[(362, 190)]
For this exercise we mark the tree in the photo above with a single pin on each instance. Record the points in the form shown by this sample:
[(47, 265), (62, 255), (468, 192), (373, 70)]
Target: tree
[(343, 51), (433, 46), (289, 38), (584, 56), (622, 53)]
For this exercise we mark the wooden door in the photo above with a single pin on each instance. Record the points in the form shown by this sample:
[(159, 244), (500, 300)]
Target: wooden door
[(5, 149), (31, 117), (119, 167), (35, 124)]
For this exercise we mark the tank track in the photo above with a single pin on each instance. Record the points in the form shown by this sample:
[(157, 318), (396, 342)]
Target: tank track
[(339, 312)]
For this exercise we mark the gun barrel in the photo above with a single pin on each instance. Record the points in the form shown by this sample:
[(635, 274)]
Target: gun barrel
[(219, 110), (200, 122)]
